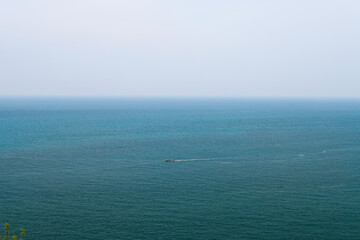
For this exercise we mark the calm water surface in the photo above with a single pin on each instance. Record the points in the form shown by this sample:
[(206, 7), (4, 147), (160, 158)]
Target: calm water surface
[(250, 169)]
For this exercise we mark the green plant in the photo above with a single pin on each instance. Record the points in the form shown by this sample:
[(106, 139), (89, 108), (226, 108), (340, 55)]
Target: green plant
[(7, 234)]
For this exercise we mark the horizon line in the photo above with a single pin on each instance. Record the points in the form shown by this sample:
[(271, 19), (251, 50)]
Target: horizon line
[(178, 97)]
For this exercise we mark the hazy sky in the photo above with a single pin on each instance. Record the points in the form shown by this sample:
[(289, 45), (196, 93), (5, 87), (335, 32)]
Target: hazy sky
[(300, 48)]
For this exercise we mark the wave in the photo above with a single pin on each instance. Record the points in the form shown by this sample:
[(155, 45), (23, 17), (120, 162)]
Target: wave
[(339, 149)]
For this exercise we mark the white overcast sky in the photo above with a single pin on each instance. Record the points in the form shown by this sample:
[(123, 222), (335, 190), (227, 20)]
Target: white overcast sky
[(244, 48)]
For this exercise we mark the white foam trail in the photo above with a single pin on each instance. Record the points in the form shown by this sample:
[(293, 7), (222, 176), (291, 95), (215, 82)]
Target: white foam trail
[(326, 151), (192, 159), (197, 159)]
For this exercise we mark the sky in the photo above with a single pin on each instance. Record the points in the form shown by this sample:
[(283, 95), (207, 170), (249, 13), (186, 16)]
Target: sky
[(180, 48)]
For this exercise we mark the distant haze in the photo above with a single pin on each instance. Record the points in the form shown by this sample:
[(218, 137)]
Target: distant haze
[(239, 48)]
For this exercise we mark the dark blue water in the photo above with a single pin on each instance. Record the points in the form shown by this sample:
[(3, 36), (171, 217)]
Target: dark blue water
[(253, 169)]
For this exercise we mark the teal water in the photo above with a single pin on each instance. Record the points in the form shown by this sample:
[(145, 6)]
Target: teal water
[(254, 169)]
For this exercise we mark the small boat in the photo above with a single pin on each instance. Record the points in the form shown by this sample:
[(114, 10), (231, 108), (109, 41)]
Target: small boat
[(169, 160)]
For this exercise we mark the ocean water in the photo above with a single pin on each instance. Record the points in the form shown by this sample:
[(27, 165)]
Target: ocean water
[(247, 169)]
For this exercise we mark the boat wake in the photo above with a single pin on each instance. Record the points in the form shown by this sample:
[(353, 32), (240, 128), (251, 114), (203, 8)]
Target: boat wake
[(325, 151), (191, 159)]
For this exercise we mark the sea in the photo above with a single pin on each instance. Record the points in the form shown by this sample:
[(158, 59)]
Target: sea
[(94, 168)]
